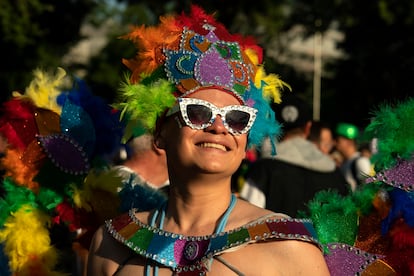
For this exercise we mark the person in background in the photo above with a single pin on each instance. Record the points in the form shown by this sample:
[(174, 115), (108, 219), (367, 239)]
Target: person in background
[(288, 180), (365, 149), (355, 167), (203, 82), (321, 135), (145, 163)]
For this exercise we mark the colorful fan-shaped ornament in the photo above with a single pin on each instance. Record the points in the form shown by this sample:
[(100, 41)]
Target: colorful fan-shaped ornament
[(65, 153)]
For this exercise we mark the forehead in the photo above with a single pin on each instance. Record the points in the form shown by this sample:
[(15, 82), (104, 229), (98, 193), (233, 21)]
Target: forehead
[(326, 133), (215, 96)]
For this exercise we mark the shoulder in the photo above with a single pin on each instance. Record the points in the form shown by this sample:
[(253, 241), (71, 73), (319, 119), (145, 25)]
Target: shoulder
[(362, 160), (290, 251), (284, 257), (245, 213), (265, 223), (101, 259), (363, 164)]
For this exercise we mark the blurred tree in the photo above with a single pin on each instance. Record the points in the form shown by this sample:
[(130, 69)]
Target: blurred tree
[(377, 65), (379, 62), (36, 33), (263, 21)]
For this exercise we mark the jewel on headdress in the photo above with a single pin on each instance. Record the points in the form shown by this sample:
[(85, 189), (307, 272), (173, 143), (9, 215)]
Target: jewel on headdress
[(65, 153), (211, 36), (209, 27), (400, 176), (212, 69)]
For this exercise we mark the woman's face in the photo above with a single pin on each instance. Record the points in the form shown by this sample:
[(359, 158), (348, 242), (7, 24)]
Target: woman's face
[(210, 150), (326, 141)]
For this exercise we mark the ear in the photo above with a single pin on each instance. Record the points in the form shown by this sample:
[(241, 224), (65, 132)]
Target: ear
[(159, 140), (307, 128)]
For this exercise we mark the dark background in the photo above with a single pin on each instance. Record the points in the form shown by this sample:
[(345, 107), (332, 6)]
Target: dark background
[(377, 65)]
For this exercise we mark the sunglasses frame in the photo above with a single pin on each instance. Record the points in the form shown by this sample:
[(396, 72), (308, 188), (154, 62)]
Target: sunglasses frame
[(184, 102)]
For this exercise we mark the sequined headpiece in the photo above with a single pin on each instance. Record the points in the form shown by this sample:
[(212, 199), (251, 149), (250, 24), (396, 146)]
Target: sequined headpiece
[(189, 52), (204, 61)]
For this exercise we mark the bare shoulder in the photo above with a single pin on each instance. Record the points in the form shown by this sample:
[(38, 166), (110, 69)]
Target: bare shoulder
[(105, 253), (281, 257), (298, 257), (278, 257), (245, 212)]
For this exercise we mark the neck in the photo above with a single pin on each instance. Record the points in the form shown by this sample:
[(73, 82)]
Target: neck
[(196, 210), (349, 153)]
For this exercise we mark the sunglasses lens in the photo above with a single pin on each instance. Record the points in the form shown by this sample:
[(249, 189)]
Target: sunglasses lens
[(237, 119), (198, 114)]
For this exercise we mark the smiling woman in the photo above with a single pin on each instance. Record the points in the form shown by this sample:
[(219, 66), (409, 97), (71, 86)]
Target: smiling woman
[(206, 96)]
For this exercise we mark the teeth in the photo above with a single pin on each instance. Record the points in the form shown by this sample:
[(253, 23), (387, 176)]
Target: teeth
[(212, 145)]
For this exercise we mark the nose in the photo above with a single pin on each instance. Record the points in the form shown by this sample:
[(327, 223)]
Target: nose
[(217, 126)]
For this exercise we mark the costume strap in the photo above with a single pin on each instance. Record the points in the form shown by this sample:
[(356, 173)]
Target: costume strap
[(169, 249), (225, 217)]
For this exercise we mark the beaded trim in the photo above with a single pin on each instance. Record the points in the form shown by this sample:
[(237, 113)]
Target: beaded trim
[(344, 259), (400, 176), (169, 248), (65, 153)]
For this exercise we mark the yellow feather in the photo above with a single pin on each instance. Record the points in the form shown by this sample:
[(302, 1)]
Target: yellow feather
[(273, 84), (252, 56), (26, 238), (107, 180), (44, 89)]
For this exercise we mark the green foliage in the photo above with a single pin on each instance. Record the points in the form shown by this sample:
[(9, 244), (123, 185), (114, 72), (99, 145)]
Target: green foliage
[(18, 24), (36, 34), (379, 64)]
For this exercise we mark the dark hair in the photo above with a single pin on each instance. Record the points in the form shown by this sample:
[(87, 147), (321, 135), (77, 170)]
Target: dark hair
[(316, 129), (293, 112)]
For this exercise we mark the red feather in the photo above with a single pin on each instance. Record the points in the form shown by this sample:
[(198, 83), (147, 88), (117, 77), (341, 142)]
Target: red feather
[(198, 18), (18, 124)]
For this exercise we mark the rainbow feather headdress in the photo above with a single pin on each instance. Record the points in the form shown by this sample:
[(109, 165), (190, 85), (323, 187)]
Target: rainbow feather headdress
[(189, 52), (56, 135)]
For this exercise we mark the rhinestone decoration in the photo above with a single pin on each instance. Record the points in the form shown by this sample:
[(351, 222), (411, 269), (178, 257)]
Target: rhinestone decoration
[(191, 250), (400, 176), (204, 61), (342, 259), (186, 253)]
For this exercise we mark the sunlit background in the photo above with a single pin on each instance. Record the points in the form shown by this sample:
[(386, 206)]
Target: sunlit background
[(344, 57)]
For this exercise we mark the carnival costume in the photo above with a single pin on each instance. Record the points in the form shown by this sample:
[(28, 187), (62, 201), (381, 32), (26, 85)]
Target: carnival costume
[(193, 255), (176, 58), (59, 140), (179, 56), (379, 216), (60, 136)]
